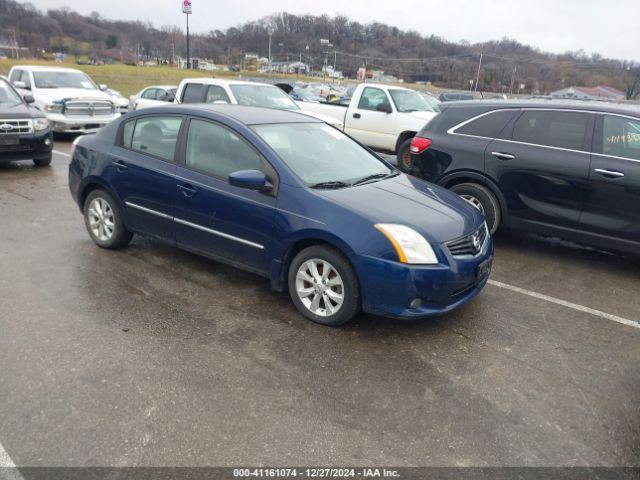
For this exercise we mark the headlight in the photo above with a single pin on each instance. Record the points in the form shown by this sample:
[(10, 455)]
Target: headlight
[(55, 107), (40, 124), (410, 246)]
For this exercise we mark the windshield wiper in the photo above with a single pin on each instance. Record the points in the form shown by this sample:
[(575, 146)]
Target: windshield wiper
[(331, 184), (376, 176)]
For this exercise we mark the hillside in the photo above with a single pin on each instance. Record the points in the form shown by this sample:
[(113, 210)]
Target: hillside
[(406, 54)]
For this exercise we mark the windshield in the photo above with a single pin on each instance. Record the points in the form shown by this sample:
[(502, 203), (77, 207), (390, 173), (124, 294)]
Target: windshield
[(8, 96), (319, 154), (409, 101), (63, 80), (434, 103), (263, 96)]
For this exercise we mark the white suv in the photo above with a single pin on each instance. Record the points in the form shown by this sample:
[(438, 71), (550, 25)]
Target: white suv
[(72, 102)]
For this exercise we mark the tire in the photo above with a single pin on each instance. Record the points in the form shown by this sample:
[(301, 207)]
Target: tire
[(44, 161), (483, 199), (342, 280), (405, 161), (109, 219)]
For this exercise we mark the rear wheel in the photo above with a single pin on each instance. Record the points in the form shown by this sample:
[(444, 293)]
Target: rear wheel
[(103, 220), (405, 161), (484, 200), (323, 286)]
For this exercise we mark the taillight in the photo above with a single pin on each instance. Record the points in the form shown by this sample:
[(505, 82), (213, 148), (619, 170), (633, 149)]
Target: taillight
[(419, 144)]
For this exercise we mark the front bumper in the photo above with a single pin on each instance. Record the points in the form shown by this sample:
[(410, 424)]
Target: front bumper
[(389, 288), (28, 147), (81, 124)]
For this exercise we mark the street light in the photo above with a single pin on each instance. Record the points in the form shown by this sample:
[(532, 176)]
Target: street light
[(270, 33)]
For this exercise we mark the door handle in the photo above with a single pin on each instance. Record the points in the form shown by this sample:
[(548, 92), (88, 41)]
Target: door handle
[(503, 156), (356, 115), (120, 166), (609, 173), (187, 189)]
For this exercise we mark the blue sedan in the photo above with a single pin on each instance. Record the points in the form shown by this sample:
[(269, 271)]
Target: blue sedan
[(288, 197)]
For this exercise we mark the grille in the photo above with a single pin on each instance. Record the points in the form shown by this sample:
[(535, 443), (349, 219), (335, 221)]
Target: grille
[(88, 109), (469, 245), (15, 126)]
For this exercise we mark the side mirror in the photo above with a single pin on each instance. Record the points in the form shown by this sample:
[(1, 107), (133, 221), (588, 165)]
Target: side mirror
[(251, 180), (103, 87), (169, 97), (384, 107), (29, 99), (20, 85)]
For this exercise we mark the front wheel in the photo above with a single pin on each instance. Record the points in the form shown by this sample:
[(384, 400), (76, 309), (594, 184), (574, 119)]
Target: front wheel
[(44, 161), (323, 286), (484, 200), (405, 161), (103, 220)]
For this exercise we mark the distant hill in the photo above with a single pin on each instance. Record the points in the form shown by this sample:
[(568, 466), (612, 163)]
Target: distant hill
[(405, 54)]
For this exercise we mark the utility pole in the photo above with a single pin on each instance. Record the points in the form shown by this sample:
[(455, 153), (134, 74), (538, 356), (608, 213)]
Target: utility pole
[(187, 10), (513, 78), (478, 74), (270, 33)]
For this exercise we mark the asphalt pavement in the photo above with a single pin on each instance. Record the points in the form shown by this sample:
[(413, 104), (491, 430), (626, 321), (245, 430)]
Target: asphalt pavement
[(151, 356)]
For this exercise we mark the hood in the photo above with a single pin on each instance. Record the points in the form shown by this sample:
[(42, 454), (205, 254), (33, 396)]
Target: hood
[(421, 115), (438, 214), (52, 94), (18, 111), (325, 118)]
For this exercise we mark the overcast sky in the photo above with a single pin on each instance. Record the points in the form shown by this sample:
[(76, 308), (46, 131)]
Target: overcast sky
[(609, 27)]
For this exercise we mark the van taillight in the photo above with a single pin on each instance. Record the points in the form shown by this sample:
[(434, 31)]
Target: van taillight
[(419, 144)]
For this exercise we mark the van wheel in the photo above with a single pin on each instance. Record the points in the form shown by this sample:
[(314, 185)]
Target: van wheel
[(103, 219), (484, 200), (323, 286), (405, 161)]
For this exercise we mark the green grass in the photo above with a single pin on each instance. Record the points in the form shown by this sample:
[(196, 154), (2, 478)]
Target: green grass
[(129, 80)]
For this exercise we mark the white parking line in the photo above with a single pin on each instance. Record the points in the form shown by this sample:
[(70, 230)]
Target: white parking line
[(61, 153), (574, 306), (8, 470)]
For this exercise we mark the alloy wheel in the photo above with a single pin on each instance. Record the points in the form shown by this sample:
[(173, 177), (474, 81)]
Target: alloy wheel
[(473, 201), (101, 219), (320, 287)]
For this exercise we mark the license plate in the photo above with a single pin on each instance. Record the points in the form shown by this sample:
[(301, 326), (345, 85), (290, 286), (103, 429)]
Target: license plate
[(484, 269), (9, 139)]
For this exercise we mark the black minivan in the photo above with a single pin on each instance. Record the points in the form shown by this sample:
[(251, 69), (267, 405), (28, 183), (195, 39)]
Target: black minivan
[(557, 169)]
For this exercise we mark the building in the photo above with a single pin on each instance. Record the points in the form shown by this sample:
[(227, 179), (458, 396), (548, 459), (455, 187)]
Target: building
[(602, 93)]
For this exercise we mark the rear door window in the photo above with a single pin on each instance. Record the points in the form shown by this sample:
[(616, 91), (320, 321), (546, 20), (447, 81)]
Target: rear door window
[(489, 125), (371, 98), (215, 93), (192, 93), (552, 128), (621, 137), (156, 136)]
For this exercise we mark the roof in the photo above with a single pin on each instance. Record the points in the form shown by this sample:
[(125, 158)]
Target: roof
[(601, 91), (240, 113), (41, 68), (594, 106), (219, 81)]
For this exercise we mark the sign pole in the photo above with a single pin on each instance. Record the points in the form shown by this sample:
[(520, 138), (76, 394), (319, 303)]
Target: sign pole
[(187, 10)]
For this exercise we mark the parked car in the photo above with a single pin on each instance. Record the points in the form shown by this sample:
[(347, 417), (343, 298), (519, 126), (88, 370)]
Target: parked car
[(153, 96), (305, 95), (380, 116), (288, 197), (25, 133), (456, 96), (72, 102), (566, 170), (121, 103), (252, 94)]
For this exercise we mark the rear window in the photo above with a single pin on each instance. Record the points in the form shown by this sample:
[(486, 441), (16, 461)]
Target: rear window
[(552, 128), (489, 125), (192, 93)]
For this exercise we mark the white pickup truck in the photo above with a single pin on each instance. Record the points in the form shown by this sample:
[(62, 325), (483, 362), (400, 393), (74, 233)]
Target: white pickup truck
[(237, 92), (69, 98), (384, 117)]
